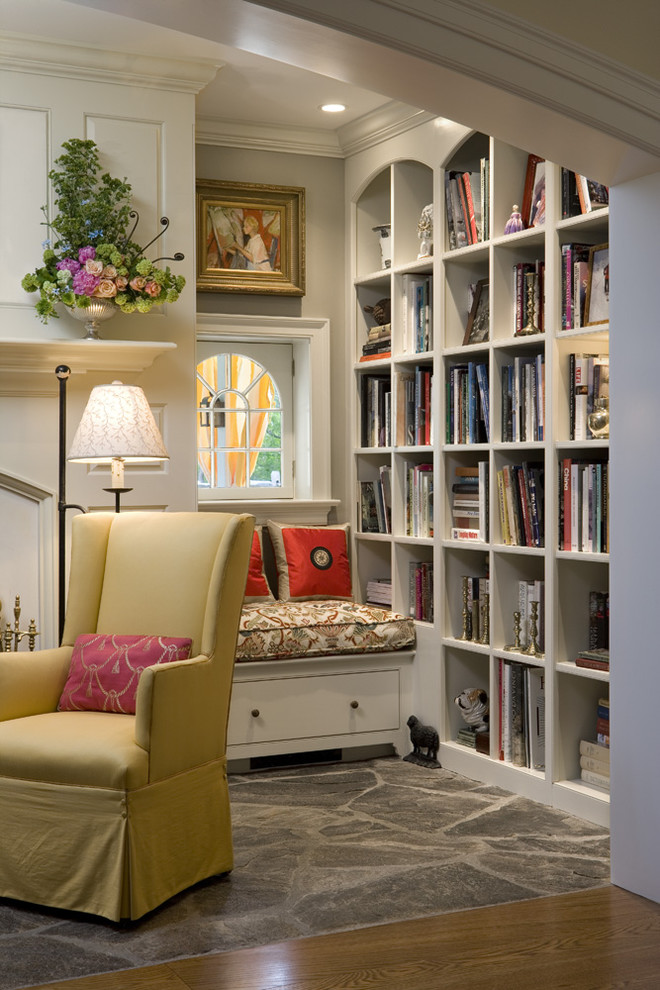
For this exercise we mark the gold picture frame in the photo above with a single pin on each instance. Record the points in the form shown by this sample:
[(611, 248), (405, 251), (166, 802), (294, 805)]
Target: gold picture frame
[(250, 238)]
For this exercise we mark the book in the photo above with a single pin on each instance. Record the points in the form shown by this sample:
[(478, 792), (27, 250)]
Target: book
[(596, 779), (597, 766), (595, 751), (535, 694)]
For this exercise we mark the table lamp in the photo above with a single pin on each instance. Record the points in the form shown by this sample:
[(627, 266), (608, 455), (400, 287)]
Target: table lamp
[(117, 428)]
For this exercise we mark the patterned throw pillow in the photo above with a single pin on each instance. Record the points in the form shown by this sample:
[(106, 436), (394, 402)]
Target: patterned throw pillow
[(105, 670), (256, 589), (312, 562)]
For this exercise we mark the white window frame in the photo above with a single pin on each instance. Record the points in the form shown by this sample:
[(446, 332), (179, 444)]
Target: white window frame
[(310, 339)]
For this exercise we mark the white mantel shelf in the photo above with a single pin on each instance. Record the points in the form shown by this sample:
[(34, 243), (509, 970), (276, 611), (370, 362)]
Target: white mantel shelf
[(43, 356)]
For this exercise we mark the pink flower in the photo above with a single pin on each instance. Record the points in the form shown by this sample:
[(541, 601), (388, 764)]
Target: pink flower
[(86, 253), (93, 266), (152, 289), (84, 283), (121, 282), (138, 283), (69, 264), (106, 289), (109, 272)]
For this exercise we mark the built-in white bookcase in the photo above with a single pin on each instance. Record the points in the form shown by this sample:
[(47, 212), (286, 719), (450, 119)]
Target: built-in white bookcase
[(446, 664)]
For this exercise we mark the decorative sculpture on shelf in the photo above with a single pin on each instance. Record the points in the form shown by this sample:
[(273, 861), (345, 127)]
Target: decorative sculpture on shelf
[(514, 223), (473, 706), (384, 232), (425, 742), (425, 232), (380, 311)]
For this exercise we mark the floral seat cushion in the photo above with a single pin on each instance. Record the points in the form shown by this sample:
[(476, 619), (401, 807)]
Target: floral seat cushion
[(283, 630)]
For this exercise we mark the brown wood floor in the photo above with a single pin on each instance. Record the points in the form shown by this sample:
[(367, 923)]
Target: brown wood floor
[(596, 940)]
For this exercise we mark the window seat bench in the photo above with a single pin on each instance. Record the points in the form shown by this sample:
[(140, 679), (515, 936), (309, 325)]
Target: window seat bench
[(320, 675)]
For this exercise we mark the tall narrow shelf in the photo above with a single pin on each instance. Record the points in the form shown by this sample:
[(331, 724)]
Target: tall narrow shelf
[(534, 446)]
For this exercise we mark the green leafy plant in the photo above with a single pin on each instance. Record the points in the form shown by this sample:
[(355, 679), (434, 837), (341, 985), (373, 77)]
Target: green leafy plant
[(90, 254)]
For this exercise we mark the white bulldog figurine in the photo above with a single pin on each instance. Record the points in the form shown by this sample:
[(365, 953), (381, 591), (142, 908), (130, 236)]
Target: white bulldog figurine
[(473, 706)]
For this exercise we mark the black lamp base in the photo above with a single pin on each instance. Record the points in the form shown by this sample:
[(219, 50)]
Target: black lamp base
[(117, 492)]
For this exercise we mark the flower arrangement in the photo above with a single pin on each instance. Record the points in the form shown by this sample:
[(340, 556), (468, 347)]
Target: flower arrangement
[(91, 255)]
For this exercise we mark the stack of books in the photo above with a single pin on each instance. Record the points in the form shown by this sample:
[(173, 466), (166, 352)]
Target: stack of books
[(479, 741), (379, 343), (595, 756), (379, 592)]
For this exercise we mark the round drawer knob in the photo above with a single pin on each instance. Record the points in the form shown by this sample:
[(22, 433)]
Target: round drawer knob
[(355, 704), (255, 713)]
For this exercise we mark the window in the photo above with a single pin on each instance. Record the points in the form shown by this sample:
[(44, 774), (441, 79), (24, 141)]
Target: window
[(245, 421), (276, 343)]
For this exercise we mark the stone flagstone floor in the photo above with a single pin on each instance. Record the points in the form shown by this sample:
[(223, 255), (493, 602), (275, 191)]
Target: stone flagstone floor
[(321, 849)]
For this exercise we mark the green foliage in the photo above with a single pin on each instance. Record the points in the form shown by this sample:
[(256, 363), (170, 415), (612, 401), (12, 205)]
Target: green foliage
[(91, 255)]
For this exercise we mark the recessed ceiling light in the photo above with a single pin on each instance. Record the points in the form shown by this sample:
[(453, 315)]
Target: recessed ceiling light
[(333, 107)]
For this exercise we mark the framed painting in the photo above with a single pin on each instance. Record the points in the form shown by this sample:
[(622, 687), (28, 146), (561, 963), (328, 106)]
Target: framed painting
[(250, 238), (597, 302)]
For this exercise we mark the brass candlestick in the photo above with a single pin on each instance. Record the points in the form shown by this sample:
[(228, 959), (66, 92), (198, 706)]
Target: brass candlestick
[(533, 649), (485, 620), (516, 646), (530, 327), (12, 637), (467, 617)]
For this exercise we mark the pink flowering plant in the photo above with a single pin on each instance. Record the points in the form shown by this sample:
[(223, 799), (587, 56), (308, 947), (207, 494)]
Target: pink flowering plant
[(90, 254)]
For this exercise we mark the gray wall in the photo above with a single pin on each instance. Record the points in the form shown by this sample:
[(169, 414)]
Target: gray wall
[(323, 181)]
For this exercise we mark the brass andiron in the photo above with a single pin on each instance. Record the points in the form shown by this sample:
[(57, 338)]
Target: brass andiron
[(10, 639)]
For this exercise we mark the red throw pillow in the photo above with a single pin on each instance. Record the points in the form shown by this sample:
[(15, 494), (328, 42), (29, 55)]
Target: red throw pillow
[(257, 588), (312, 562), (105, 670)]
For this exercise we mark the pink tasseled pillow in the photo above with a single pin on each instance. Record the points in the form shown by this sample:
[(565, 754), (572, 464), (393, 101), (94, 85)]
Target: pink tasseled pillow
[(105, 670)]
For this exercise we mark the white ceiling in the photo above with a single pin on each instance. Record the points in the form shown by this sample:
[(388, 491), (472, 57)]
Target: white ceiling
[(248, 88)]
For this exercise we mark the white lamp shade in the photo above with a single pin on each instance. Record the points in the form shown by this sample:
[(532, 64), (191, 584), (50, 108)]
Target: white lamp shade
[(117, 422)]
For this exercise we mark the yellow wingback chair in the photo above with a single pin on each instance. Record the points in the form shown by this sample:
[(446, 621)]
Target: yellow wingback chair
[(108, 813)]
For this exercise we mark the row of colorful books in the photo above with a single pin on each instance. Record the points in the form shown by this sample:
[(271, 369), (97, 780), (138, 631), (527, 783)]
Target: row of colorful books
[(581, 195), (467, 202), (588, 380), (520, 493), (417, 313), (375, 502), (470, 502), (521, 714), (584, 506), (468, 403), (420, 591), (523, 399), (418, 494), (414, 423), (376, 410)]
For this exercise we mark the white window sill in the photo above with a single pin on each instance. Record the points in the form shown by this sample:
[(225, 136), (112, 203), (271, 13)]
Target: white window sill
[(313, 512)]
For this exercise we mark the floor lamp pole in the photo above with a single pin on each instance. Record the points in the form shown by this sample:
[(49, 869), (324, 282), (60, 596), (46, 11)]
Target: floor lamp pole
[(62, 371)]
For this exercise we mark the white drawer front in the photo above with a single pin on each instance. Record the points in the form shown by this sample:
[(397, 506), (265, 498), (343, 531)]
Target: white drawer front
[(305, 707)]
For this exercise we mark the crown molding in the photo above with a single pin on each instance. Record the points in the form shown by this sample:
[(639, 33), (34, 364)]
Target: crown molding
[(473, 39), (382, 124), (22, 53), (366, 132), (256, 136)]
